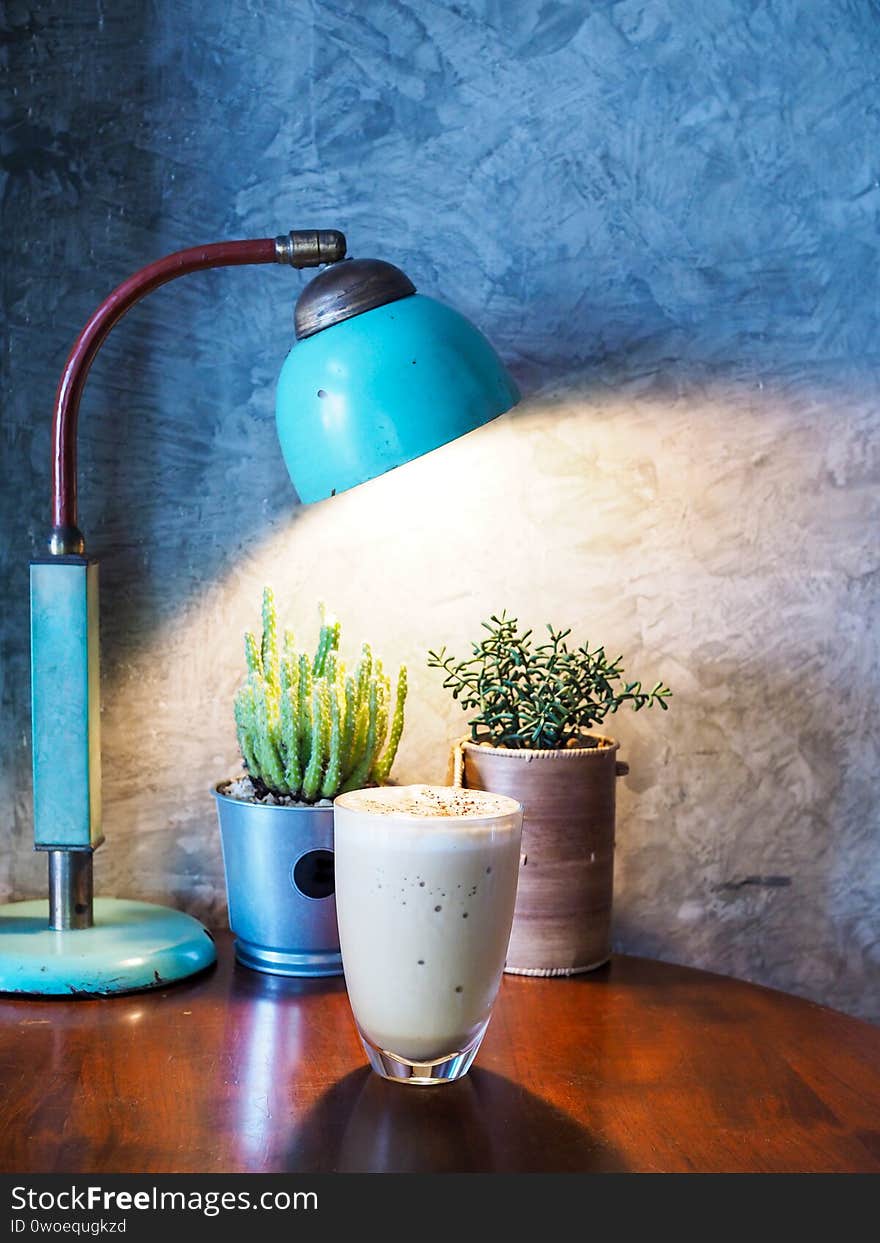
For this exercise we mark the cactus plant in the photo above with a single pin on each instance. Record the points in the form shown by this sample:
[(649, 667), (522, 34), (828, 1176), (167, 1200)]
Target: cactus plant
[(307, 729)]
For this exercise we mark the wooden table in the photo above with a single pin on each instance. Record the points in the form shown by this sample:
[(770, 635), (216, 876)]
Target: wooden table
[(637, 1066)]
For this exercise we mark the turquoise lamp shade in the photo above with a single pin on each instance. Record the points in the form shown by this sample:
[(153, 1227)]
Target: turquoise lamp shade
[(371, 386)]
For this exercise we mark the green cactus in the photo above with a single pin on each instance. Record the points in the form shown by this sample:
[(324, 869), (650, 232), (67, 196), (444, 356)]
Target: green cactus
[(305, 727)]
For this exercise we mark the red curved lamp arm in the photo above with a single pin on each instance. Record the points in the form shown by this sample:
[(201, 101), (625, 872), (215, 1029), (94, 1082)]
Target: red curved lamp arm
[(299, 249)]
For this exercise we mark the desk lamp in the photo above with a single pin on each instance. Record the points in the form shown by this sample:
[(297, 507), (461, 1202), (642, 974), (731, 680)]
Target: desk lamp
[(378, 375)]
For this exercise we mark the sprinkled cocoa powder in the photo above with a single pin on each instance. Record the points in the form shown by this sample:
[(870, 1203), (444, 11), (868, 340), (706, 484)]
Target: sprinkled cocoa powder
[(449, 802)]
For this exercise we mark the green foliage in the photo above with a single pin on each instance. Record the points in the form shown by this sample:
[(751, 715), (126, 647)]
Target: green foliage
[(538, 695), (307, 728)]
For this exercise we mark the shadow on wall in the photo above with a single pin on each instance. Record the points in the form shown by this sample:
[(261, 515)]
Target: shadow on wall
[(746, 850), (62, 222)]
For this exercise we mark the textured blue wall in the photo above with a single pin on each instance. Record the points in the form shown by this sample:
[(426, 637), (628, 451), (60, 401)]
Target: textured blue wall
[(671, 205)]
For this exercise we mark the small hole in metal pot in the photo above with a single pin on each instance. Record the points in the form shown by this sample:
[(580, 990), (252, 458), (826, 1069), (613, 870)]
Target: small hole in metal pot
[(313, 874)]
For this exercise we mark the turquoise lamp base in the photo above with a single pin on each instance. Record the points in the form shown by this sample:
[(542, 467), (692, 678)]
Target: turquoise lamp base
[(131, 946)]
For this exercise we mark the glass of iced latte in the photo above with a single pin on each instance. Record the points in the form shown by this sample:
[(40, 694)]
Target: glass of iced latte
[(425, 888)]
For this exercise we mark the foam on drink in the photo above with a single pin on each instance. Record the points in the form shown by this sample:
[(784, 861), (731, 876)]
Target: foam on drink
[(446, 802)]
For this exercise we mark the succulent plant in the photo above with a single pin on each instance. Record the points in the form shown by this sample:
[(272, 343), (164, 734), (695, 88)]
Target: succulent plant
[(306, 727), (542, 696)]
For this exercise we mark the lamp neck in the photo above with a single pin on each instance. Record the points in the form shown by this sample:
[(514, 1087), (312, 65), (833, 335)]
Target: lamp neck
[(299, 249)]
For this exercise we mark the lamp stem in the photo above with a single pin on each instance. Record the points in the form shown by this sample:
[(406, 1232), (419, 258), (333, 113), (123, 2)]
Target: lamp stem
[(70, 889), (298, 249)]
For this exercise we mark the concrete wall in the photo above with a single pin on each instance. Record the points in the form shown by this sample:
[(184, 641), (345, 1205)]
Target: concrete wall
[(666, 217)]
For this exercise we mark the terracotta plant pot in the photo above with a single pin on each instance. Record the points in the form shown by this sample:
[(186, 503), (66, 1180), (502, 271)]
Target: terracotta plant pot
[(562, 921)]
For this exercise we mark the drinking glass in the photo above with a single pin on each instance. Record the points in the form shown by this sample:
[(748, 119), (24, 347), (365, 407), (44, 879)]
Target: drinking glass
[(425, 890)]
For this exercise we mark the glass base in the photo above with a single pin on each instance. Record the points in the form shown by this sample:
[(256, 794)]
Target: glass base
[(444, 1069)]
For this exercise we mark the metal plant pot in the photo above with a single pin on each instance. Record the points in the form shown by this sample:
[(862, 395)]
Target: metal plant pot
[(280, 887), (562, 921)]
